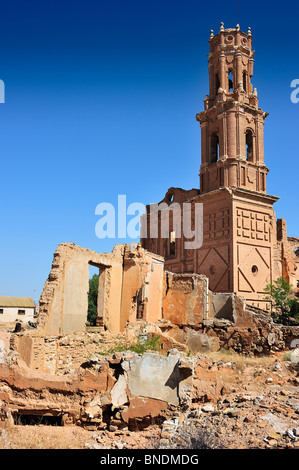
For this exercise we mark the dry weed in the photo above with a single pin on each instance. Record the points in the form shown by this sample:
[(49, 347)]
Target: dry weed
[(42, 437), (241, 361)]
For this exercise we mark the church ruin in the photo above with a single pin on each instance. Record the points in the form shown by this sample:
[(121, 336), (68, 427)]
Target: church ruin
[(186, 292), (244, 248), (193, 299)]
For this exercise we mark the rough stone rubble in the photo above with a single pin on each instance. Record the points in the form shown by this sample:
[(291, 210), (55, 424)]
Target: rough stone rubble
[(171, 401)]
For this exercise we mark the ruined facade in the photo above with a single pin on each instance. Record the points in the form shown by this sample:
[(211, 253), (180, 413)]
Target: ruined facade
[(137, 299), (243, 246), (130, 287), (133, 287)]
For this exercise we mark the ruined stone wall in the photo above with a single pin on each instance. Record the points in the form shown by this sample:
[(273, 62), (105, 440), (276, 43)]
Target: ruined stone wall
[(62, 354), (130, 288), (286, 254), (142, 286), (128, 275), (225, 321), (117, 390), (185, 308), (185, 300), (180, 308), (222, 305), (293, 250), (28, 349), (64, 300)]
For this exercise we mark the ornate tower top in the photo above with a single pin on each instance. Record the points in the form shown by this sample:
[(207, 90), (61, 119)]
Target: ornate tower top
[(232, 123), (231, 65)]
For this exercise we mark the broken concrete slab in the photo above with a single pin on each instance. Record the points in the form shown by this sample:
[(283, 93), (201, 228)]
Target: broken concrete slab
[(119, 392), (154, 376)]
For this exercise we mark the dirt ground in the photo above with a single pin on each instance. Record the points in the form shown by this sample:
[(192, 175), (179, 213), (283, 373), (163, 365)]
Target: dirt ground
[(74, 437)]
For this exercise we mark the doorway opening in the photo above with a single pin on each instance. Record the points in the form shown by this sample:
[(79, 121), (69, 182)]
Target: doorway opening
[(96, 294)]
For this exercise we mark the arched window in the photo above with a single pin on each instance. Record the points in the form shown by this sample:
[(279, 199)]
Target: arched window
[(230, 81), (214, 148), (244, 81), (172, 243), (249, 145), (217, 83)]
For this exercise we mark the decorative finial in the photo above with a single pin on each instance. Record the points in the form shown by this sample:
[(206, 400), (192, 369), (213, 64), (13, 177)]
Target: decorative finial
[(211, 34), (238, 27), (221, 26), (249, 31), (255, 92)]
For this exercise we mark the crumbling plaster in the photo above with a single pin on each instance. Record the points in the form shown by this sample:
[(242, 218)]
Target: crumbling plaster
[(129, 268)]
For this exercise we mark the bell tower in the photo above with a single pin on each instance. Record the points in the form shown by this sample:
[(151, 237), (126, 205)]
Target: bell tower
[(232, 134), (239, 240)]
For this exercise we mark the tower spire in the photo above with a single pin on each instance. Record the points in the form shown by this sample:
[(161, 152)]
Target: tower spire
[(237, 11)]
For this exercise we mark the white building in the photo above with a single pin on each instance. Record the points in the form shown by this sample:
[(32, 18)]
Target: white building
[(16, 308)]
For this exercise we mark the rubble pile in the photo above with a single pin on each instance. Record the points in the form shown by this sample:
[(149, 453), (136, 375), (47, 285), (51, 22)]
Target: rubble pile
[(127, 400)]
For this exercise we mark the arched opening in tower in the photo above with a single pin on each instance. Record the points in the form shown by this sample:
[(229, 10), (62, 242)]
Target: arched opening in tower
[(249, 145), (214, 148), (244, 81), (230, 81)]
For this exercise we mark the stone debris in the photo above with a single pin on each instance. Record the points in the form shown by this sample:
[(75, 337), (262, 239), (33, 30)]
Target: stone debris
[(135, 293), (110, 398)]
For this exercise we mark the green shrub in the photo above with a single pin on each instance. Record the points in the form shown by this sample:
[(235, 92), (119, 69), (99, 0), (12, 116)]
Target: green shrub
[(140, 347), (287, 356), (285, 307), (93, 299)]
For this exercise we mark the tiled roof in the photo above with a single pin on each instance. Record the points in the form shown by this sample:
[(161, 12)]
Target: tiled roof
[(6, 301)]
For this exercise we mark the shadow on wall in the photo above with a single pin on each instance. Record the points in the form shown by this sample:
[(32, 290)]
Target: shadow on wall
[(222, 306)]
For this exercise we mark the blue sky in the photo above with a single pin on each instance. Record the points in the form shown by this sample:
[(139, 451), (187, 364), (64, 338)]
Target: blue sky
[(100, 100)]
